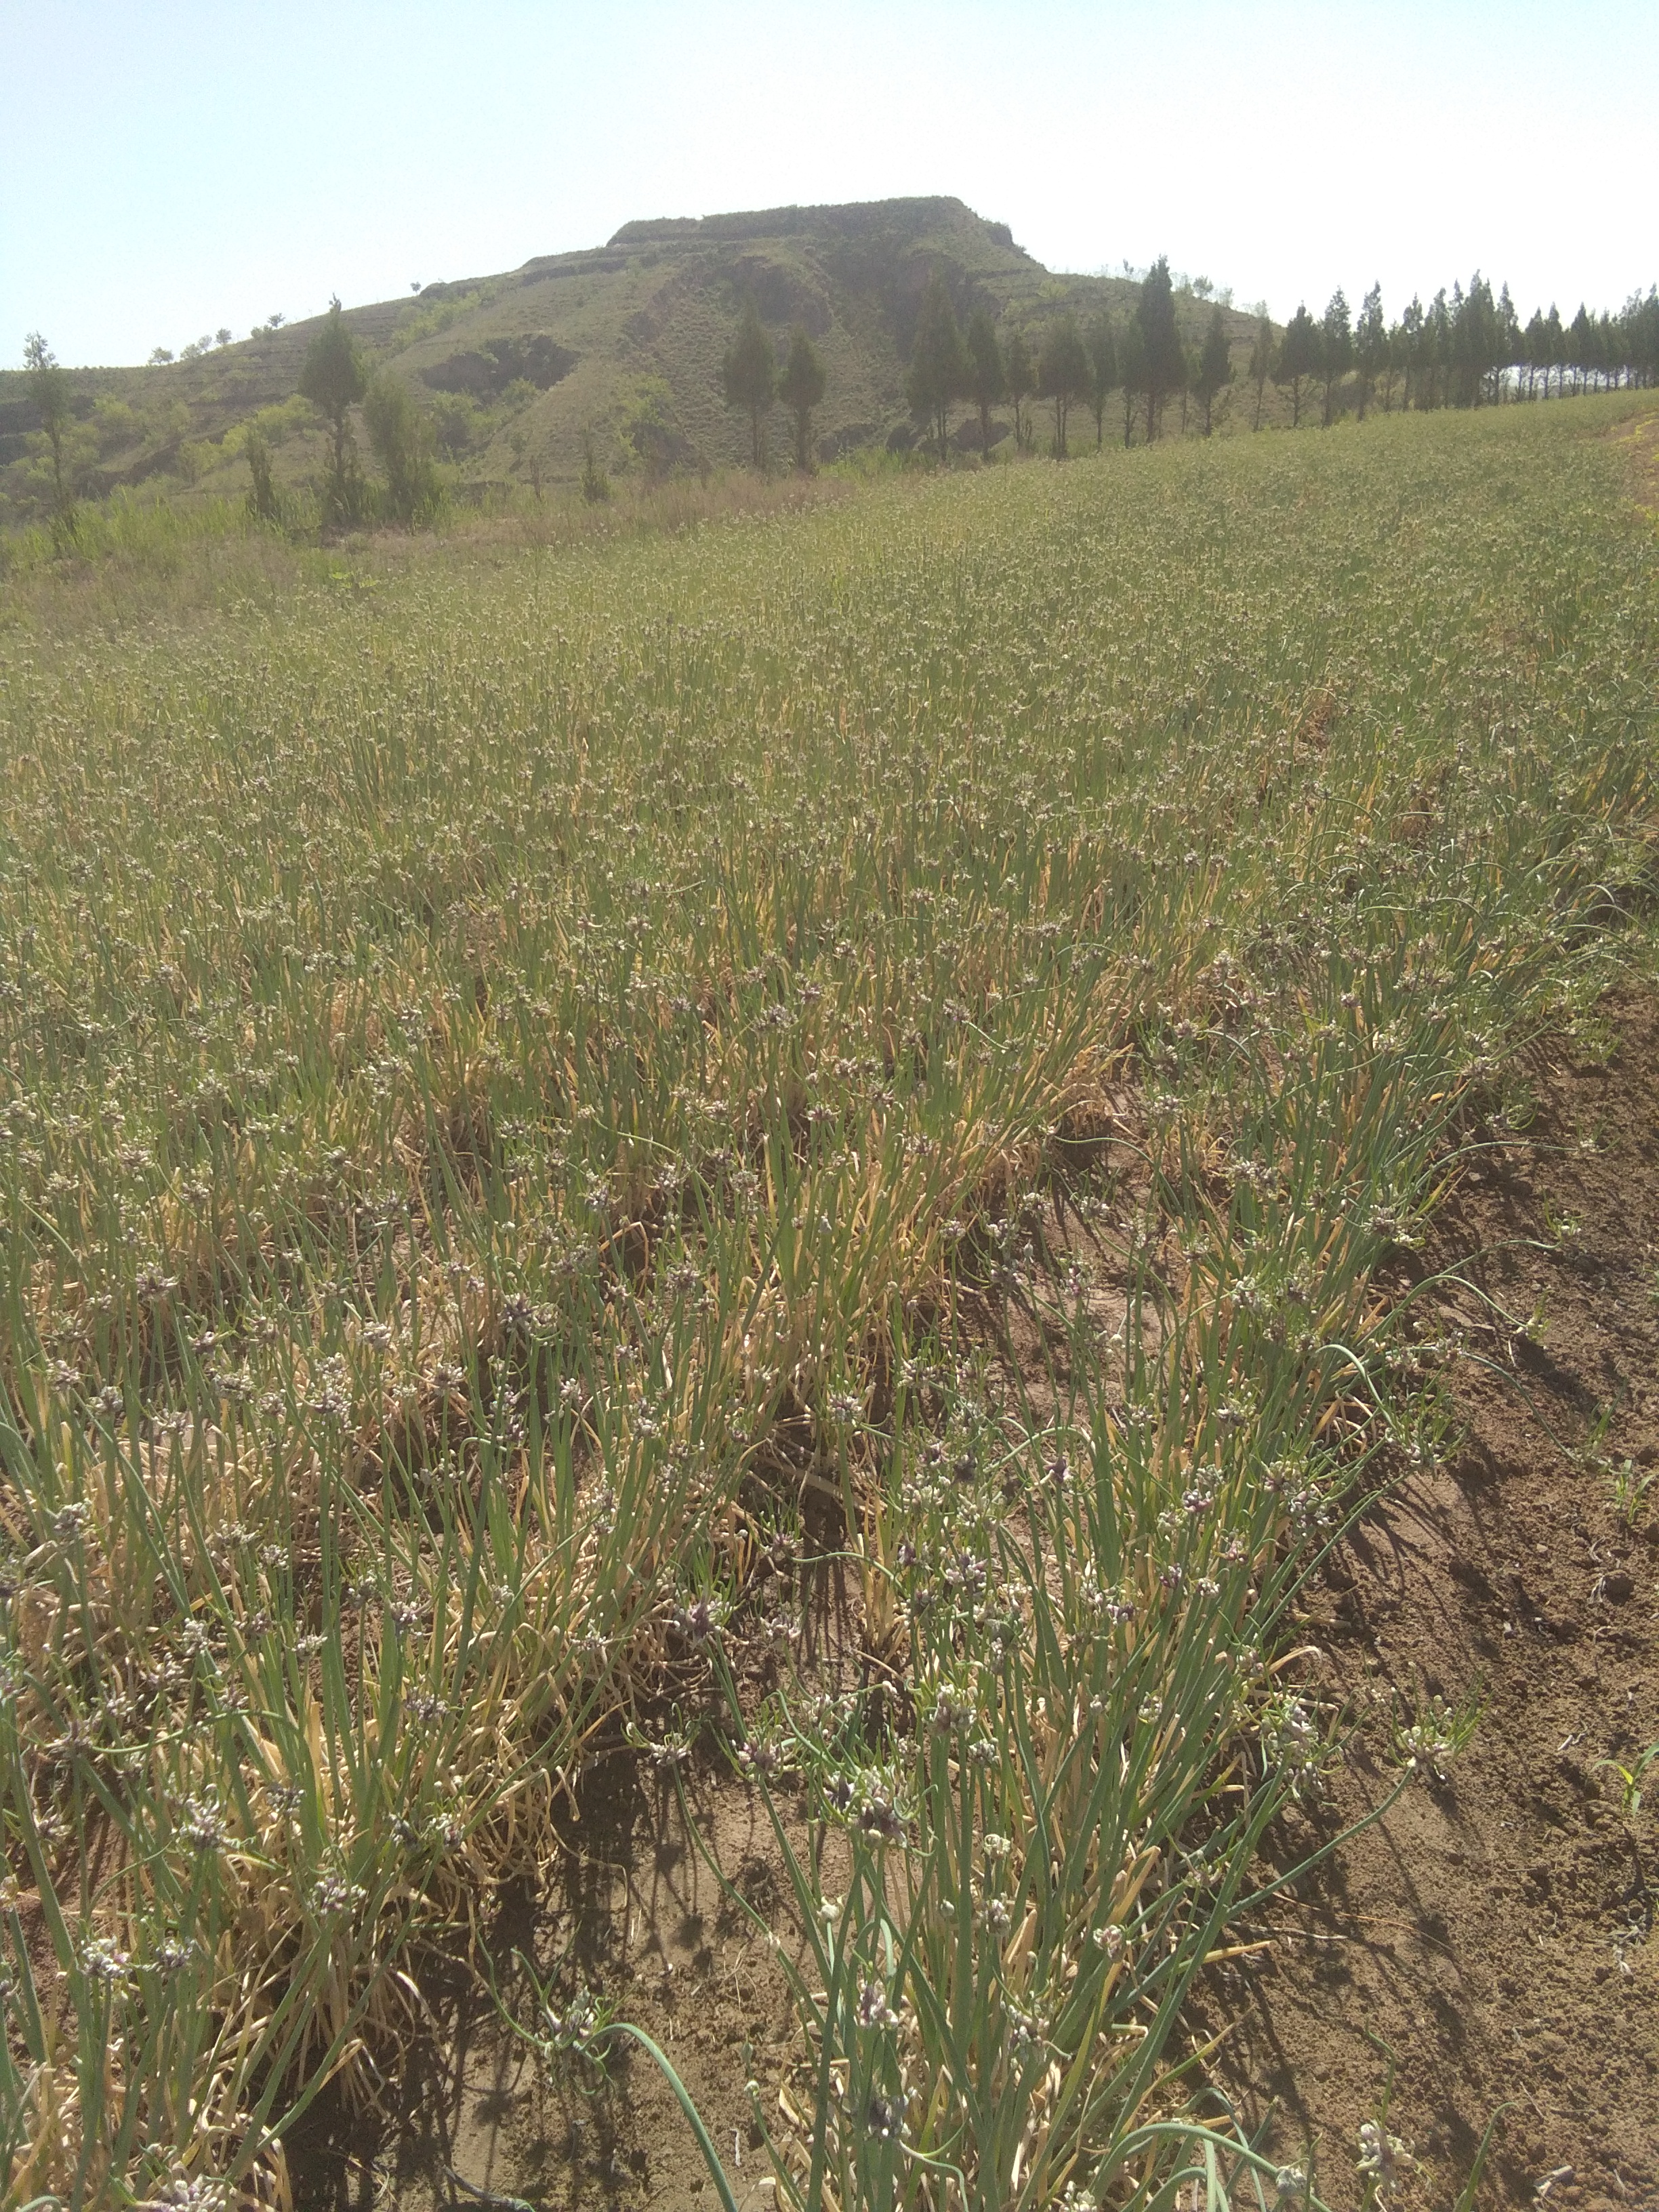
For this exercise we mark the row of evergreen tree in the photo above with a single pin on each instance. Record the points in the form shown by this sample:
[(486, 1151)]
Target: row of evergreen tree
[(1144, 358), (1464, 349)]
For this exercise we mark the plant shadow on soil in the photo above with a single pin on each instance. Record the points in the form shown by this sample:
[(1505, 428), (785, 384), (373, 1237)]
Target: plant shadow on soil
[(1493, 1935), (633, 1909)]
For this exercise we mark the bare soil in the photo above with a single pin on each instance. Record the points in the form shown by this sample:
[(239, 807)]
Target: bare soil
[(1491, 1937), (631, 1909)]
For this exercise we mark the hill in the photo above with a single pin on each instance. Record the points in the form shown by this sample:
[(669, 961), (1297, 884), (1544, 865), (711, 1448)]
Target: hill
[(623, 343)]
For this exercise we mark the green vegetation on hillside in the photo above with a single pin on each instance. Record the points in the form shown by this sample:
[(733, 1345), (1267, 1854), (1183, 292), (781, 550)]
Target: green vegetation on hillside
[(622, 347), (512, 382), (545, 1104)]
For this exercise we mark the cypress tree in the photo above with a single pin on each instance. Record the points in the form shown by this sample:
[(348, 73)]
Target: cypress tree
[(1062, 374), (1261, 363), (1215, 365), (1410, 348), (1437, 348), (1297, 359), (334, 379), (1019, 376), (1534, 348), (1164, 359), (1335, 351), (749, 374), (938, 365), (801, 389), (1581, 349), (987, 378), (1370, 344), (1393, 361), (1102, 372), (49, 388), (1556, 355), (1507, 333), (1131, 375)]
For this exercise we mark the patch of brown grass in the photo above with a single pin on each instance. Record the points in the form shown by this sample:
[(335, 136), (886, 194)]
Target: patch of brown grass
[(1640, 439)]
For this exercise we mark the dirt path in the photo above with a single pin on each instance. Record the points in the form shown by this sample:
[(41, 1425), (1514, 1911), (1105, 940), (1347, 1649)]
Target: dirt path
[(1495, 1932), (1641, 440)]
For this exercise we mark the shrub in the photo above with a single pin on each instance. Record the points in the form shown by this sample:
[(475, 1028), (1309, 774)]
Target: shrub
[(595, 484), (401, 436), (454, 423), (264, 503)]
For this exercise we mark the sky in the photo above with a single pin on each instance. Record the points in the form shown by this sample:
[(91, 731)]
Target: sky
[(166, 170)]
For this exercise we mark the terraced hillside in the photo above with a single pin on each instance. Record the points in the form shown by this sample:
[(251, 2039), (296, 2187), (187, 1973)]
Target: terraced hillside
[(623, 342)]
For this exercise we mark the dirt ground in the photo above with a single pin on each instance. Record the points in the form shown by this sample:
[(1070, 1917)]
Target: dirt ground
[(631, 1911), (1491, 1937), (1641, 442)]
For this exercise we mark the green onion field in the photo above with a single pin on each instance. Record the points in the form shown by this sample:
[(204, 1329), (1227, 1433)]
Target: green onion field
[(551, 1100)]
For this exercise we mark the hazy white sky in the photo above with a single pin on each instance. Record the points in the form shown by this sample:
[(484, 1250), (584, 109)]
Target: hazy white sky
[(165, 169)]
